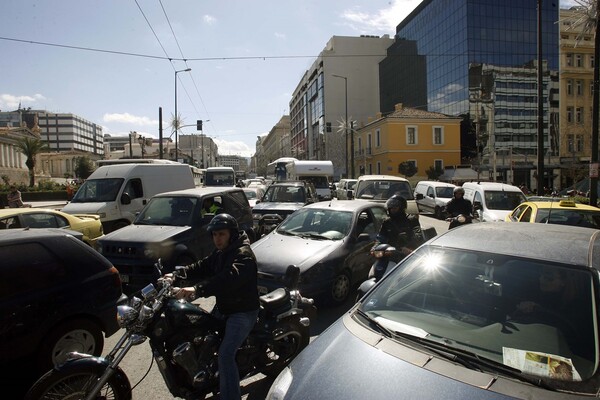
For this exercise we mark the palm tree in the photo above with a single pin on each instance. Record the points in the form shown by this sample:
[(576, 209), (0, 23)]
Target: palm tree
[(30, 147)]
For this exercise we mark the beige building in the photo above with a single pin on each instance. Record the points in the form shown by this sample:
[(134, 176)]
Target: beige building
[(576, 95), (428, 140)]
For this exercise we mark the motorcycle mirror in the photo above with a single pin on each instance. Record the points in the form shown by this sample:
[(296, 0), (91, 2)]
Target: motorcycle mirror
[(292, 275), (181, 271)]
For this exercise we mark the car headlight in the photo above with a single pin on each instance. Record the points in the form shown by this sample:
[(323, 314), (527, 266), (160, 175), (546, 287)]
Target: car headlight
[(256, 216), (281, 385)]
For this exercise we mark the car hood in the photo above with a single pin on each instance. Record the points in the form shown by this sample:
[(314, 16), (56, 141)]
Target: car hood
[(364, 365), (495, 215), (275, 252), (84, 208), (144, 233), (266, 207)]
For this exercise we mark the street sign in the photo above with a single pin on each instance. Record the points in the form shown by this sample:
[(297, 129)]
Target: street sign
[(593, 170)]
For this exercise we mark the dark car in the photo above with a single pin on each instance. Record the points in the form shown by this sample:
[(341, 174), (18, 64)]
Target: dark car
[(329, 241), (172, 227), (487, 311), (280, 200), (57, 295)]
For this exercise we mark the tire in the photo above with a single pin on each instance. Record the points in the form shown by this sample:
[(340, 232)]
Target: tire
[(72, 383), (80, 335), (340, 289), (281, 352)]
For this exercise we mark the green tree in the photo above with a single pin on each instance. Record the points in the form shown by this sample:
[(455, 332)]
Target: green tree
[(84, 167), (407, 169), (30, 147), (434, 173)]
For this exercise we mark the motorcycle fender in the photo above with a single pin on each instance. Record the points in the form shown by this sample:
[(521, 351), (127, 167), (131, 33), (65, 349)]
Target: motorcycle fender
[(100, 364)]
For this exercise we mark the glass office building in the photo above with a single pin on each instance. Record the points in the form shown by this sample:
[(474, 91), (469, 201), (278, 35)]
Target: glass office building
[(481, 59)]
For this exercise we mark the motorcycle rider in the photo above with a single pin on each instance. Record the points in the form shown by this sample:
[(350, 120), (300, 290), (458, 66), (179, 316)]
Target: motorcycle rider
[(398, 229), (230, 274), (459, 206)]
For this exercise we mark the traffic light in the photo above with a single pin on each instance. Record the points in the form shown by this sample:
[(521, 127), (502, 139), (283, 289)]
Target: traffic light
[(328, 127), (199, 125)]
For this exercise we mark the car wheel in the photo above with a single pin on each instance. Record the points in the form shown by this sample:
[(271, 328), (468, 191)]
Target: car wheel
[(340, 289), (80, 335)]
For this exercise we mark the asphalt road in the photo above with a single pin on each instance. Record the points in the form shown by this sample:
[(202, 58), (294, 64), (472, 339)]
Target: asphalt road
[(138, 364)]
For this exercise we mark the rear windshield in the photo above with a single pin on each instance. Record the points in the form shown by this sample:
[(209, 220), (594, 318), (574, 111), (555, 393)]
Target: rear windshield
[(383, 190)]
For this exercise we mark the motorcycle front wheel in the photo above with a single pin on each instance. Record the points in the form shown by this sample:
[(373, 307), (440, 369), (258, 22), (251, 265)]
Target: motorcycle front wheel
[(74, 384), (279, 353)]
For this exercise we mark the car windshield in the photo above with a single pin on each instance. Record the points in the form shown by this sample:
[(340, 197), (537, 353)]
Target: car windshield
[(98, 190), (250, 194), (285, 194), (317, 223), (574, 217), (320, 182), (535, 316), (445, 192), (503, 200), (382, 190), (176, 211)]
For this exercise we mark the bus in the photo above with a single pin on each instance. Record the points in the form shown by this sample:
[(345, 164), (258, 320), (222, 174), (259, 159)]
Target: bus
[(219, 176), (276, 170)]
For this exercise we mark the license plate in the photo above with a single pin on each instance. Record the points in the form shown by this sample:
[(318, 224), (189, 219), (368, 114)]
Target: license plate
[(262, 290), (124, 278)]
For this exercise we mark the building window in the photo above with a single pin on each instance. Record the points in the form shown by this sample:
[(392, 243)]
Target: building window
[(591, 61), (438, 165), (569, 87), (369, 144), (578, 60), (569, 59), (592, 88), (377, 138), (360, 146), (438, 135), (378, 168), (411, 135), (579, 87), (570, 114), (579, 115)]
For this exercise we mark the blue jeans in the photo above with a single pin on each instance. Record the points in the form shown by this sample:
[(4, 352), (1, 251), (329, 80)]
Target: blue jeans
[(237, 328)]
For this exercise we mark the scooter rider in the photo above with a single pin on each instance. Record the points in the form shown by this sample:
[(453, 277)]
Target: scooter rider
[(230, 274), (459, 206), (399, 228)]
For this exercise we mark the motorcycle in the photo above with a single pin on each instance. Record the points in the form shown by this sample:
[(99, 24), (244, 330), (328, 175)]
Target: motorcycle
[(184, 339), (458, 220)]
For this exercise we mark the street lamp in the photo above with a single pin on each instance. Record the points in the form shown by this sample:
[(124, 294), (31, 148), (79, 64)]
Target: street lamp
[(176, 116), (346, 123)]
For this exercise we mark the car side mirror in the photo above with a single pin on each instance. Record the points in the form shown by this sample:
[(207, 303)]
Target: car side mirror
[(125, 198), (477, 205), (419, 196), (363, 237)]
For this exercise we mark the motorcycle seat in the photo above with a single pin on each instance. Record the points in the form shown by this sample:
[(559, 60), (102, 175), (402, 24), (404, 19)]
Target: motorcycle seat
[(275, 299)]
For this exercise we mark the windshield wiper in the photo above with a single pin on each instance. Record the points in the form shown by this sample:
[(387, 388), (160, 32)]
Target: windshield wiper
[(313, 236), (382, 329)]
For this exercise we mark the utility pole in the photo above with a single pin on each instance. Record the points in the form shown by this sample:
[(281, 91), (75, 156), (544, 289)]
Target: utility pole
[(540, 119), (595, 118)]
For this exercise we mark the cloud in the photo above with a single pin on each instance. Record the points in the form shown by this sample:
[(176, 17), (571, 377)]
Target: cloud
[(209, 19), (127, 118), (383, 21), (280, 35), (12, 102), (234, 148)]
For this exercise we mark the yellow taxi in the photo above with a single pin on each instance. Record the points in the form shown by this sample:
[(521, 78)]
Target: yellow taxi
[(563, 212), (88, 224)]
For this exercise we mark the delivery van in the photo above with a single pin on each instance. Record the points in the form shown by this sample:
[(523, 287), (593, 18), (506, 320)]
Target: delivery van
[(118, 192), (319, 173), (493, 201)]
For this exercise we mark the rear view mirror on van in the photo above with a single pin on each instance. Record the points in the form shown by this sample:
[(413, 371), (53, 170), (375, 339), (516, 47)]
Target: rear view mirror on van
[(125, 198)]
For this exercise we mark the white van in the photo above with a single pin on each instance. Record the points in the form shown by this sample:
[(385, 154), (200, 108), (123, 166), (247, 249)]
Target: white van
[(344, 186), (118, 192), (493, 201), (219, 176), (319, 173), (432, 196)]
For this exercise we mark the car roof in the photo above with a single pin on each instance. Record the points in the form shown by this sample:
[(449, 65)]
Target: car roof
[(436, 183), (562, 204), (200, 192), (345, 205), (381, 178), (13, 211), (559, 243), (289, 183), (492, 185)]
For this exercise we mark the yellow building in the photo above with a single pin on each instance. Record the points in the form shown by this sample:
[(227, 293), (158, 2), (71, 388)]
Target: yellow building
[(424, 139)]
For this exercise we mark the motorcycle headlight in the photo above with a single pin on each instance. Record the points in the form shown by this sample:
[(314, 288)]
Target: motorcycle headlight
[(126, 315), (281, 385), (256, 216)]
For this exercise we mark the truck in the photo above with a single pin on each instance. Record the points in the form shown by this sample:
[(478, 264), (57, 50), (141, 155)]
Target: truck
[(219, 176), (117, 192), (319, 173)]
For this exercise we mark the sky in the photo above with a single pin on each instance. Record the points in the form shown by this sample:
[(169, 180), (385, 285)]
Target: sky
[(114, 62)]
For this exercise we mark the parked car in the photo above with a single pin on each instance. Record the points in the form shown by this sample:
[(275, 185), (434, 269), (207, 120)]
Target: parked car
[(566, 212), (280, 200), (487, 311), (492, 201), (172, 227), (432, 196), (345, 189), (253, 194), (328, 241), (379, 188), (88, 224), (57, 295)]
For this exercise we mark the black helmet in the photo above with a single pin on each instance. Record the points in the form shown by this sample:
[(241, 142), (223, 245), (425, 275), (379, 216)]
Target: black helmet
[(459, 189), (396, 201), (223, 221)]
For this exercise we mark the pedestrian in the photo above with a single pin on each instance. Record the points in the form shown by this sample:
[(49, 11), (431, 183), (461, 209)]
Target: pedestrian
[(230, 274), (14, 198)]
